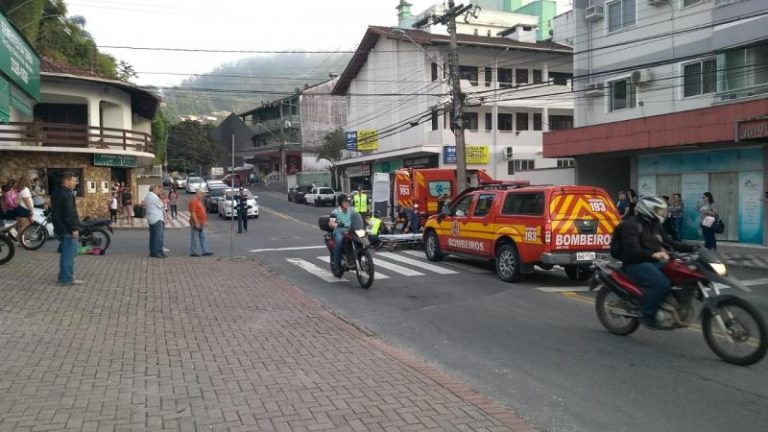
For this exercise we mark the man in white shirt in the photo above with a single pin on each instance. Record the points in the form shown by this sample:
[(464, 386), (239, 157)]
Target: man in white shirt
[(155, 214)]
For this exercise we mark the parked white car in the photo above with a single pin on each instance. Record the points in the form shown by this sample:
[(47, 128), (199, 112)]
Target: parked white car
[(321, 196), (225, 204), (180, 181), (195, 183)]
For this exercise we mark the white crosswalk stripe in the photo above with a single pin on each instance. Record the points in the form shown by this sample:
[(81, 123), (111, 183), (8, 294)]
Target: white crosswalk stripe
[(416, 263), (315, 270), (377, 275), (397, 268), (461, 266)]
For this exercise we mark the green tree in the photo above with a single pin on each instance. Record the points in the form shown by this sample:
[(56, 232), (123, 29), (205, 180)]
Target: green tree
[(191, 145), (160, 137), (334, 142)]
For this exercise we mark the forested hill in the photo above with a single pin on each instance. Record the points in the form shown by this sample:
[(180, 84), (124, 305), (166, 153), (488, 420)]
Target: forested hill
[(242, 85)]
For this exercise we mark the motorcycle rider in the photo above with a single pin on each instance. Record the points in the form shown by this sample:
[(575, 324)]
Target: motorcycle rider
[(341, 220), (644, 251)]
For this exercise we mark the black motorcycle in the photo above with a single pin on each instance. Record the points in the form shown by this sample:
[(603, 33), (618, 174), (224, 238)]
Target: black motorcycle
[(7, 249), (356, 254), (92, 232)]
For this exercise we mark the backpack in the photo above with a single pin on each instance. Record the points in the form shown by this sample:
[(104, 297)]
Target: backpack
[(616, 240), (11, 199)]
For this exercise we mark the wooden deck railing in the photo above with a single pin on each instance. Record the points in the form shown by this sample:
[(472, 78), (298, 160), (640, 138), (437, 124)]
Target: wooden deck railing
[(17, 134)]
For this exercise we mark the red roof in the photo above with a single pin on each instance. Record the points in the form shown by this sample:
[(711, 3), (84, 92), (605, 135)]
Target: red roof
[(702, 126)]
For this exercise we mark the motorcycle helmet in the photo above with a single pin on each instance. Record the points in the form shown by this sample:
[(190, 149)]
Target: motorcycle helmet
[(652, 207), (342, 198), (377, 214)]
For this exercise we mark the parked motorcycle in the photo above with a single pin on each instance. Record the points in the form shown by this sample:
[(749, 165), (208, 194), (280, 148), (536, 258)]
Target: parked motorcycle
[(356, 254), (732, 327), (7, 249), (92, 232)]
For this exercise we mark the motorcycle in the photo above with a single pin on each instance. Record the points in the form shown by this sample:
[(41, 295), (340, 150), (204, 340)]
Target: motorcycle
[(356, 254), (91, 232), (7, 249), (733, 329)]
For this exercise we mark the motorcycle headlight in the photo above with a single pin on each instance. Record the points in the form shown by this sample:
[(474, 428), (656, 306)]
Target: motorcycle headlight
[(719, 268), (360, 233)]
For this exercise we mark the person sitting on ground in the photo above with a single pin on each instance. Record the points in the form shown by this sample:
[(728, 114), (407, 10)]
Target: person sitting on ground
[(412, 221)]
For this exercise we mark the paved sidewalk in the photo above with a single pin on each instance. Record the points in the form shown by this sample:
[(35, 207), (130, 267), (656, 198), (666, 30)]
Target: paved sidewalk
[(207, 345), (741, 255)]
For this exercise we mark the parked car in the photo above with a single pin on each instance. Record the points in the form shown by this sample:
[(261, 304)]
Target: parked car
[(301, 191), (215, 183), (180, 181), (225, 204), (212, 198), (321, 196), (195, 183), (519, 227), (167, 180)]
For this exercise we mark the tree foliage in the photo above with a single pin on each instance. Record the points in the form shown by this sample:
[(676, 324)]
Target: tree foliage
[(191, 145), (334, 143), (160, 136)]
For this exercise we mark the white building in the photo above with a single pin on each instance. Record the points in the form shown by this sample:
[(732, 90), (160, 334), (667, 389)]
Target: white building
[(516, 89)]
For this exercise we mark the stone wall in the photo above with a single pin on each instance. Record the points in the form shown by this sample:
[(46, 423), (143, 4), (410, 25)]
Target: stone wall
[(94, 204)]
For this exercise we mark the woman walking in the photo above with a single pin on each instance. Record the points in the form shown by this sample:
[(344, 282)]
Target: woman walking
[(708, 214), (676, 208), (173, 200)]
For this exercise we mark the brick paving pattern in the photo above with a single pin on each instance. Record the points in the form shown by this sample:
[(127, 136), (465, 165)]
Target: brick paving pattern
[(205, 345)]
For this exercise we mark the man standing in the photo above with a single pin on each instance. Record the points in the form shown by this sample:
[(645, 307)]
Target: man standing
[(197, 219), (127, 202), (65, 226), (155, 214), (360, 201), (242, 207)]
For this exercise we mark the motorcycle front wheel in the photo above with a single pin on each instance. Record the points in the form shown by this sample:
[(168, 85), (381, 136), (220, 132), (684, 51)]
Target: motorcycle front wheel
[(7, 249), (98, 238), (34, 236), (741, 338), (364, 269), (605, 304)]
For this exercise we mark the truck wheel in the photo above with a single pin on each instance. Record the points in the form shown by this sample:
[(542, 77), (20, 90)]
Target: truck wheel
[(432, 247), (508, 263)]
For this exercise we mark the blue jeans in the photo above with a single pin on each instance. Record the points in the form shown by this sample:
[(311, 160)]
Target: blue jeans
[(67, 252), (156, 235), (677, 228), (198, 235), (338, 237), (242, 220), (710, 242), (655, 283)]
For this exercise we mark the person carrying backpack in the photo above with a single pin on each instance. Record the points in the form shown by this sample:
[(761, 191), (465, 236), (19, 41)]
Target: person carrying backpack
[(643, 246)]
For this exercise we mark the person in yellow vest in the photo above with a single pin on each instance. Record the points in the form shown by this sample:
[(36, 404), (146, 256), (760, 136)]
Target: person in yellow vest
[(360, 201), (374, 229)]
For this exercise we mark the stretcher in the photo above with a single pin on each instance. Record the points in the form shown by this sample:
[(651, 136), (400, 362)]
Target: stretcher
[(394, 241)]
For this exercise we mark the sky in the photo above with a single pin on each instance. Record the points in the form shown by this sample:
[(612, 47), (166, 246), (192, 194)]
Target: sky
[(228, 24)]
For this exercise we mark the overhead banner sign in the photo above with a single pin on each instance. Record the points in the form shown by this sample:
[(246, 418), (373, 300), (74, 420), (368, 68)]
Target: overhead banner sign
[(367, 140), (18, 61)]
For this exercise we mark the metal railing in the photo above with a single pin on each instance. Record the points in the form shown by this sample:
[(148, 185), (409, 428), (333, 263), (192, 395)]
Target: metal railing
[(18, 134)]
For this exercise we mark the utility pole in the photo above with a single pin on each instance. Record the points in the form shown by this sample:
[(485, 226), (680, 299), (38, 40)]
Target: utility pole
[(283, 158), (449, 19)]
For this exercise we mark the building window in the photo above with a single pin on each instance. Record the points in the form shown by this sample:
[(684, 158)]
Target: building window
[(505, 77), (560, 78), (621, 14), (700, 78), (505, 122), (470, 120), (520, 165), (434, 72), (435, 123), (488, 122), (560, 122), (537, 76), (622, 95), (745, 67), (468, 73), (522, 121), (537, 121), (566, 163), (522, 76), (687, 3), (484, 204)]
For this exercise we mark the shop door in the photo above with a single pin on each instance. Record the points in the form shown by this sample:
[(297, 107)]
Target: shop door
[(667, 185), (725, 190)]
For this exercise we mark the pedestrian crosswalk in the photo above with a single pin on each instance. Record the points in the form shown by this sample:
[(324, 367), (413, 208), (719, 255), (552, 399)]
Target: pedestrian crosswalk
[(181, 221)]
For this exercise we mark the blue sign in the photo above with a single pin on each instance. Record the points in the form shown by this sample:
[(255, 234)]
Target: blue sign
[(449, 154), (351, 137)]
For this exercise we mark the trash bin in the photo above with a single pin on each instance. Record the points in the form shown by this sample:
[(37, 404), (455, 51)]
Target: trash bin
[(139, 211)]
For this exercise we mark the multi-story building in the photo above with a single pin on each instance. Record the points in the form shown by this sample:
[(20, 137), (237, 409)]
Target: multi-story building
[(397, 90), (672, 97), (65, 119)]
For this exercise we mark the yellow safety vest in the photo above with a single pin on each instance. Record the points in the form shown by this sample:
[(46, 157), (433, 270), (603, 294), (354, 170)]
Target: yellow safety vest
[(375, 225), (361, 203)]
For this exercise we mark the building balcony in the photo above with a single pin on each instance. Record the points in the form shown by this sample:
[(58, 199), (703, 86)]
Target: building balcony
[(275, 124), (53, 137)]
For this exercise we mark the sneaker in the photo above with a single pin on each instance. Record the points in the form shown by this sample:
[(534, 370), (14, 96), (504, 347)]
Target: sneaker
[(208, 254), (194, 255), (74, 282), (166, 250)]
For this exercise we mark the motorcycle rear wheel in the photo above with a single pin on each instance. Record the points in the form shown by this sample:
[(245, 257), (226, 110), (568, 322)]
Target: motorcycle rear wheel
[(616, 324), (735, 313), (34, 236), (7, 249), (98, 238), (364, 269)]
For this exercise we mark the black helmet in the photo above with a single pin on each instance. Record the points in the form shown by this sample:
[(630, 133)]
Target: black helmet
[(342, 198), (377, 214)]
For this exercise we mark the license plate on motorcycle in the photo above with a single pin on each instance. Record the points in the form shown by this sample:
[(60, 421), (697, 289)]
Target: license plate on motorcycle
[(586, 256)]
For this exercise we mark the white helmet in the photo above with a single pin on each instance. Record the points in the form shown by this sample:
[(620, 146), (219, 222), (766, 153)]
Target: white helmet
[(652, 207)]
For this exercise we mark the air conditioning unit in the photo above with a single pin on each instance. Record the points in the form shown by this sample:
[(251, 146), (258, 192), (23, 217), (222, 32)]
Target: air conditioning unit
[(594, 89), (657, 2), (641, 76), (509, 153), (594, 13)]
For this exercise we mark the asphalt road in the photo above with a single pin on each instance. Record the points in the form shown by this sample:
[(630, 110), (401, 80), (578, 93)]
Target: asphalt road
[(540, 352)]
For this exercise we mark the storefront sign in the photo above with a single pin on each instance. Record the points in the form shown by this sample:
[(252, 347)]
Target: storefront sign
[(367, 140), (431, 161), (115, 161), (359, 171), (351, 139), (5, 100), (18, 61), (752, 129), (449, 155), (751, 207), (474, 155)]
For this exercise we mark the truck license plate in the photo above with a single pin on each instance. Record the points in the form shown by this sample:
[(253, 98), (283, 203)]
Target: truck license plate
[(585, 256)]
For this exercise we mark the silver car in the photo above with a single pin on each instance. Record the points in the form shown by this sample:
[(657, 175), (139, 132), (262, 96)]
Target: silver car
[(225, 204), (195, 183)]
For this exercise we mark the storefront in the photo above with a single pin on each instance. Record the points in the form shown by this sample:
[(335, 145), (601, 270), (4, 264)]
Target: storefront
[(356, 176)]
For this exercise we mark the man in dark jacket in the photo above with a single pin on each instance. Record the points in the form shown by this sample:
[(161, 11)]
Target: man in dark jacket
[(65, 226), (241, 203), (644, 251)]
